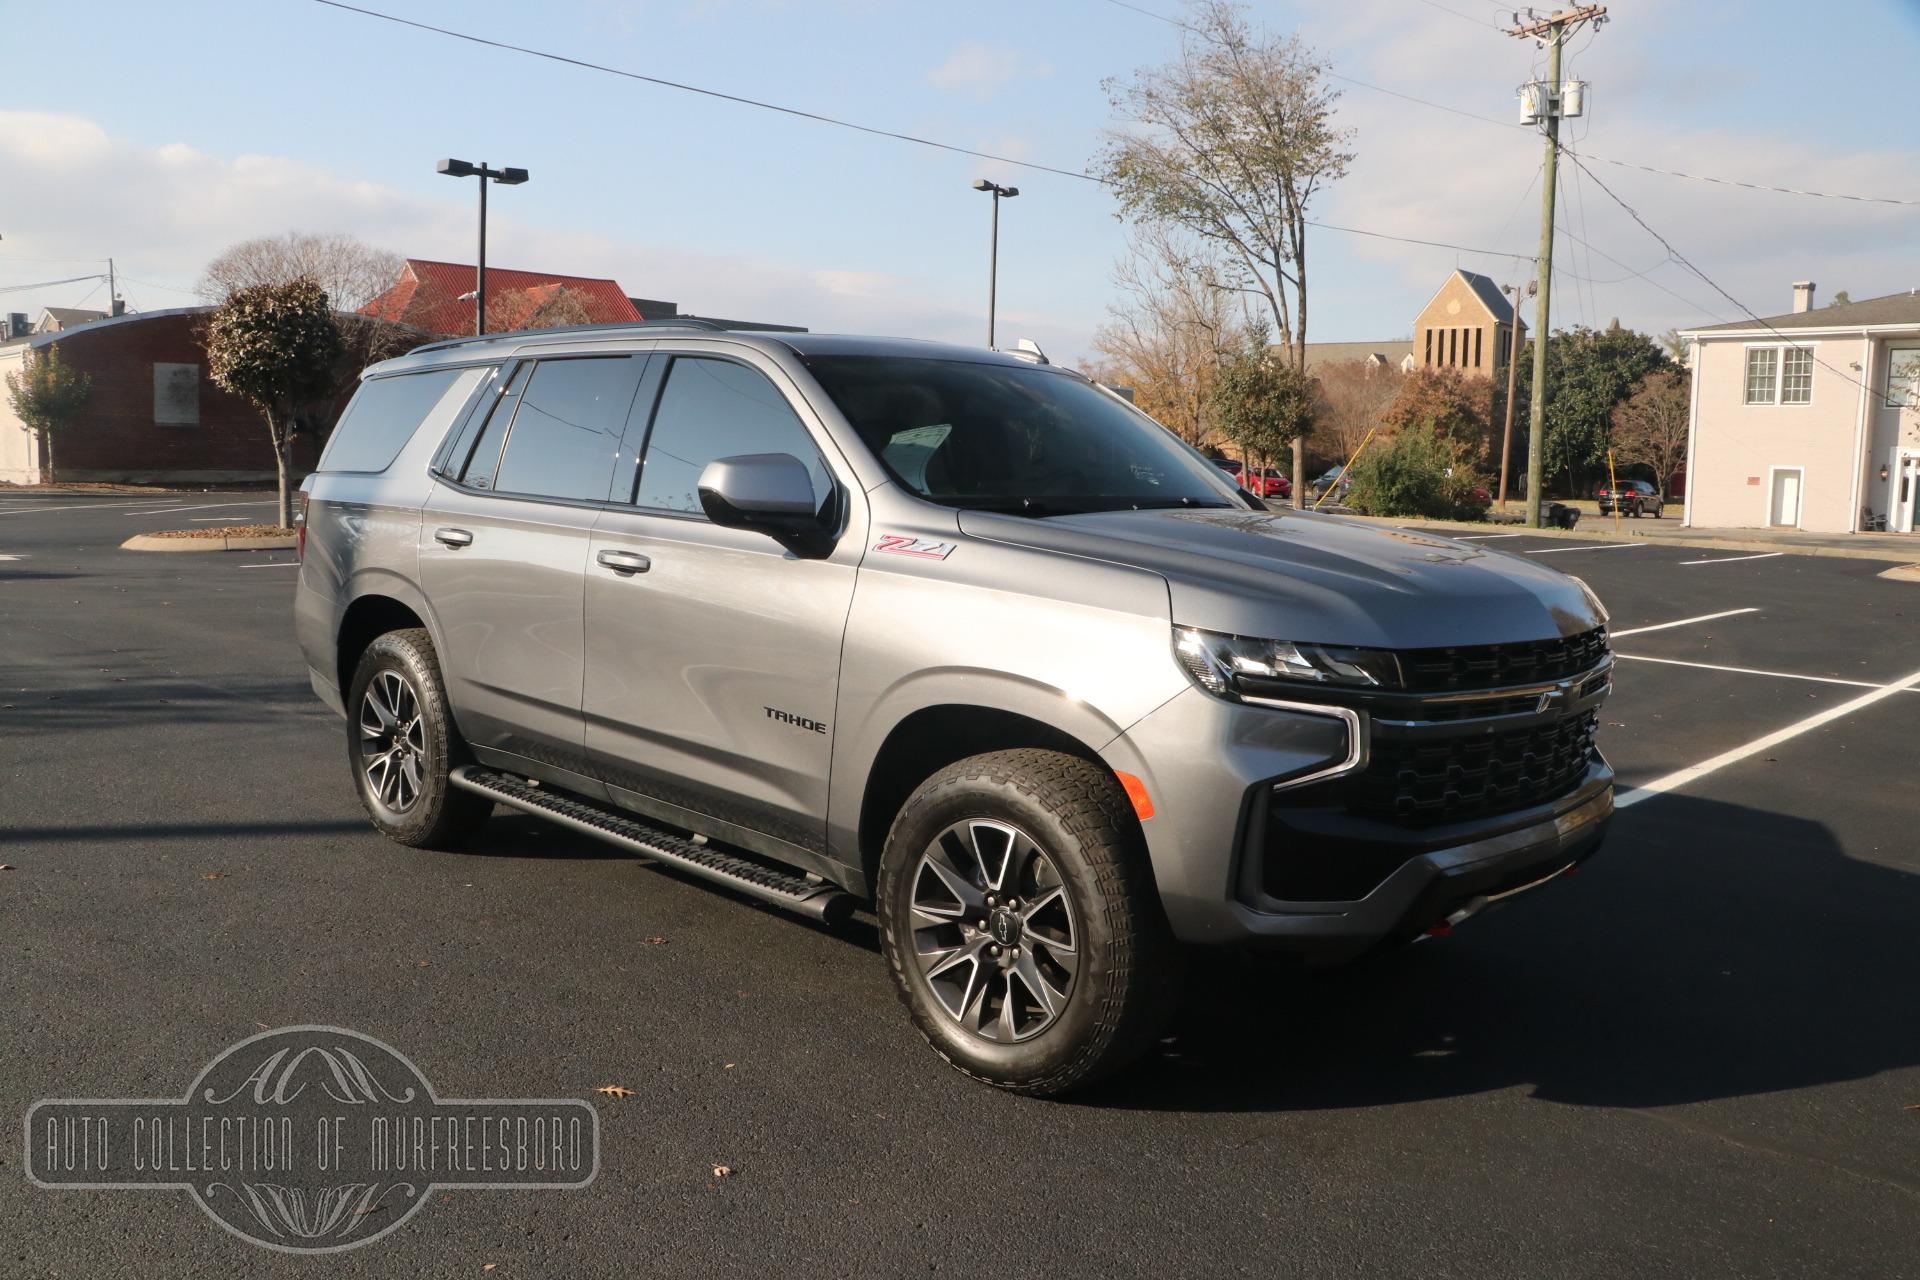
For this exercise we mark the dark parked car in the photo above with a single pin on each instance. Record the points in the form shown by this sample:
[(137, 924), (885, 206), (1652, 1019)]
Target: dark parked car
[(1634, 498)]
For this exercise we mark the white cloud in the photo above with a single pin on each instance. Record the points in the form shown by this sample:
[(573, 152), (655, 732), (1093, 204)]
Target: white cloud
[(165, 211), (982, 70)]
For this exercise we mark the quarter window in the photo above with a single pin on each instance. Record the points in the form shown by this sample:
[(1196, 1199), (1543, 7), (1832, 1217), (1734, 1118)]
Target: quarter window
[(566, 433), (385, 413), (716, 409)]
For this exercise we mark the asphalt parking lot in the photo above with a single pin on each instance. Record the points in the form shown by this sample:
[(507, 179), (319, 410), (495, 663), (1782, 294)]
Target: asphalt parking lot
[(1700, 1057)]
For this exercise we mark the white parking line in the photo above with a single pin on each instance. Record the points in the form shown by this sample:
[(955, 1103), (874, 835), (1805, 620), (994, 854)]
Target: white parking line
[(1684, 622), (1609, 546), (1486, 537), (83, 506), (273, 564), (1755, 671), (1764, 555), (205, 506), (1680, 777)]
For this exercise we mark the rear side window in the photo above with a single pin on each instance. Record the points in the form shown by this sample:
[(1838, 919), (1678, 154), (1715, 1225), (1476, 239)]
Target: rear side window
[(717, 409), (385, 413), (566, 433)]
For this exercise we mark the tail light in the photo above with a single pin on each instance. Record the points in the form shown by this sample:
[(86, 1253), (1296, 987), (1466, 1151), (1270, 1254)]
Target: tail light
[(300, 528)]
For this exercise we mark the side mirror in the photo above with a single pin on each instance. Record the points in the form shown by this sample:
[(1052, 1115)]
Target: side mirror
[(769, 492)]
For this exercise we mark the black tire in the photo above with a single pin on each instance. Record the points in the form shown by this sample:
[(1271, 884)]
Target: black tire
[(430, 813), (1126, 974)]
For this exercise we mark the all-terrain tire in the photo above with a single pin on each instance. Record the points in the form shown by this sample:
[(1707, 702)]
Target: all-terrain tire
[(428, 812), (1128, 968)]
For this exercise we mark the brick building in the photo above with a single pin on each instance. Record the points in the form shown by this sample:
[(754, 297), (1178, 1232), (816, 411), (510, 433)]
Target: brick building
[(1468, 325), (154, 415)]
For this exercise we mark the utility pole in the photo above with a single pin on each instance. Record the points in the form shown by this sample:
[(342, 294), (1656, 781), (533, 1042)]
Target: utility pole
[(1546, 106), (1513, 373)]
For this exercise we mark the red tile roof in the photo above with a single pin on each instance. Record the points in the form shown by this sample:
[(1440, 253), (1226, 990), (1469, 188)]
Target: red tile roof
[(427, 295)]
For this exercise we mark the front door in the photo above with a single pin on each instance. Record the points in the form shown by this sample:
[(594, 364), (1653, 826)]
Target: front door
[(1785, 512), (713, 658), (1904, 495), (503, 554)]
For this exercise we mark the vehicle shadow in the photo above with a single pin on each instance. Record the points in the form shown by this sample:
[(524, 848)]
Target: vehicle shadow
[(1711, 951)]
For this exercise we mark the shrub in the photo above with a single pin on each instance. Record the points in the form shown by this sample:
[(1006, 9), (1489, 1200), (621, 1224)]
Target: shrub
[(1417, 472)]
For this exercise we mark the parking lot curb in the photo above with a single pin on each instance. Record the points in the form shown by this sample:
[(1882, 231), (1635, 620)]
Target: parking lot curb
[(156, 542), (1732, 543)]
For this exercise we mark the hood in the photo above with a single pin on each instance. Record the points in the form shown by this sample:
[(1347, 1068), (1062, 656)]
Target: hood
[(1325, 579)]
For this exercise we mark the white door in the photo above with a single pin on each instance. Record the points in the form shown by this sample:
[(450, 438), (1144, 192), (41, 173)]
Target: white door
[(1785, 513), (1905, 495)]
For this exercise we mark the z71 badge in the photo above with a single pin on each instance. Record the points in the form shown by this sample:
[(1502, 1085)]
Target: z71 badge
[(900, 544)]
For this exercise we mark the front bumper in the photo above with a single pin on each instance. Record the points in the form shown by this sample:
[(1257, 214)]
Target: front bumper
[(1212, 767)]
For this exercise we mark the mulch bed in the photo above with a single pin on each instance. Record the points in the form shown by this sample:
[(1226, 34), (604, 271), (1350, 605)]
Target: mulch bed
[(226, 531)]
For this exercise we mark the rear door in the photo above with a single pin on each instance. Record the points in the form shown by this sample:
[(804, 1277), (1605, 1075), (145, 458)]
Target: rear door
[(503, 550), (713, 659)]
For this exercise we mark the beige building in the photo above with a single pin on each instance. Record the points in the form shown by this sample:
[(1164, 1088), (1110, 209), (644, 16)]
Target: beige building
[(1808, 420), (1468, 325)]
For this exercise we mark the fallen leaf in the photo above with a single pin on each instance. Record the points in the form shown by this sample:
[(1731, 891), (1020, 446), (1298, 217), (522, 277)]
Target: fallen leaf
[(656, 941), (214, 875), (7, 867), (615, 1090), (728, 1067), (424, 963), (490, 1266), (722, 1171), (1911, 1106)]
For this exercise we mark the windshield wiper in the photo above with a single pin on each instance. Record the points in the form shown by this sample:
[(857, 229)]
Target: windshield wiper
[(1165, 504)]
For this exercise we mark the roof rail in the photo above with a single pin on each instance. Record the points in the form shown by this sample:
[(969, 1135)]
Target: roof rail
[(705, 326)]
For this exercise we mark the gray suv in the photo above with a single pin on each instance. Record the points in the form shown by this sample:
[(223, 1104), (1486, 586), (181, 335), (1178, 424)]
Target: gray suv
[(954, 635)]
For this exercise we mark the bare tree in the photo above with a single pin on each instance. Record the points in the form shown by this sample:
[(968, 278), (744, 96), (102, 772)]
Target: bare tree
[(352, 272), (1650, 425), (1173, 326), (1231, 142), (1354, 396), (542, 307)]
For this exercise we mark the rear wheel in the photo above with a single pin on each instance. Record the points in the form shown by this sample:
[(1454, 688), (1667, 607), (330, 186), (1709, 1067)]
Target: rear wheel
[(1020, 922), (402, 743)]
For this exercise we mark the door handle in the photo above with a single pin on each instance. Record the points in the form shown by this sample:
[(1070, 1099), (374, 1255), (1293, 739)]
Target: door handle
[(455, 538), (625, 561)]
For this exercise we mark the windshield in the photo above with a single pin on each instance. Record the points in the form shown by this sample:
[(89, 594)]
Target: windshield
[(1028, 440)]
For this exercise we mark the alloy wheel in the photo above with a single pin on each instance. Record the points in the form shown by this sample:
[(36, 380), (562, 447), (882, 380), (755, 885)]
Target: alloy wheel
[(994, 930), (393, 741)]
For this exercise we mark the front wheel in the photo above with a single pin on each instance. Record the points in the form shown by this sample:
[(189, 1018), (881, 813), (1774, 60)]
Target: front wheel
[(1020, 921), (402, 743)]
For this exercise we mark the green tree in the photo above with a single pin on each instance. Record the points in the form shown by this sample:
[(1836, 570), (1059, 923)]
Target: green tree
[(47, 394), (1589, 372), (1419, 471), (275, 345), (1259, 402)]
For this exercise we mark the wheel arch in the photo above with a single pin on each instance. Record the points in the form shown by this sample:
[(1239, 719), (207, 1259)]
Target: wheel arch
[(932, 737)]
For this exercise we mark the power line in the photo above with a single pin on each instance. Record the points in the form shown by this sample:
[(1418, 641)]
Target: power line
[(48, 284), (1681, 258), (706, 93), (1464, 17), (838, 123), (1750, 186)]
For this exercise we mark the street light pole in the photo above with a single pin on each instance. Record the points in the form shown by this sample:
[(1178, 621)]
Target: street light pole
[(993, 253), (506, 177)]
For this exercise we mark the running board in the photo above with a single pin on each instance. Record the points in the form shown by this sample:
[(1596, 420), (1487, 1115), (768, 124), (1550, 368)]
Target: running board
[(776, 886)]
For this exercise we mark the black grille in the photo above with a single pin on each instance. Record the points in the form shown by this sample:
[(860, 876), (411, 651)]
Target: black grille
[(1493, 665), (1446, 779)]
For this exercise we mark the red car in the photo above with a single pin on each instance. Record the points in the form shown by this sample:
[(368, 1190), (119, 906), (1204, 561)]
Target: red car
[(1268, 483)]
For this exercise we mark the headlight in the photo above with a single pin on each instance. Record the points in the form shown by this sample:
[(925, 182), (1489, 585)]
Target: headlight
[(1234, 666)]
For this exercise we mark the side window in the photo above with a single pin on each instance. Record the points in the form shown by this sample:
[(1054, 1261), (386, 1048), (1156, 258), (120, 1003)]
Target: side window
[(385, 413), (473, 461), (716, 409), (567, 430)]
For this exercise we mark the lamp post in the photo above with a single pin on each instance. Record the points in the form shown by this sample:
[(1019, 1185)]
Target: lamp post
[(505, 177), (993, 259)]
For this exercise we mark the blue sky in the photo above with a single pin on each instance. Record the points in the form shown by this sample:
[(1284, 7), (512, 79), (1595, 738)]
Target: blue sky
[(159, 133)]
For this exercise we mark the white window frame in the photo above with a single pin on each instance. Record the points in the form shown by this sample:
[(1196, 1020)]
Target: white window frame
[(1779, 350)]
